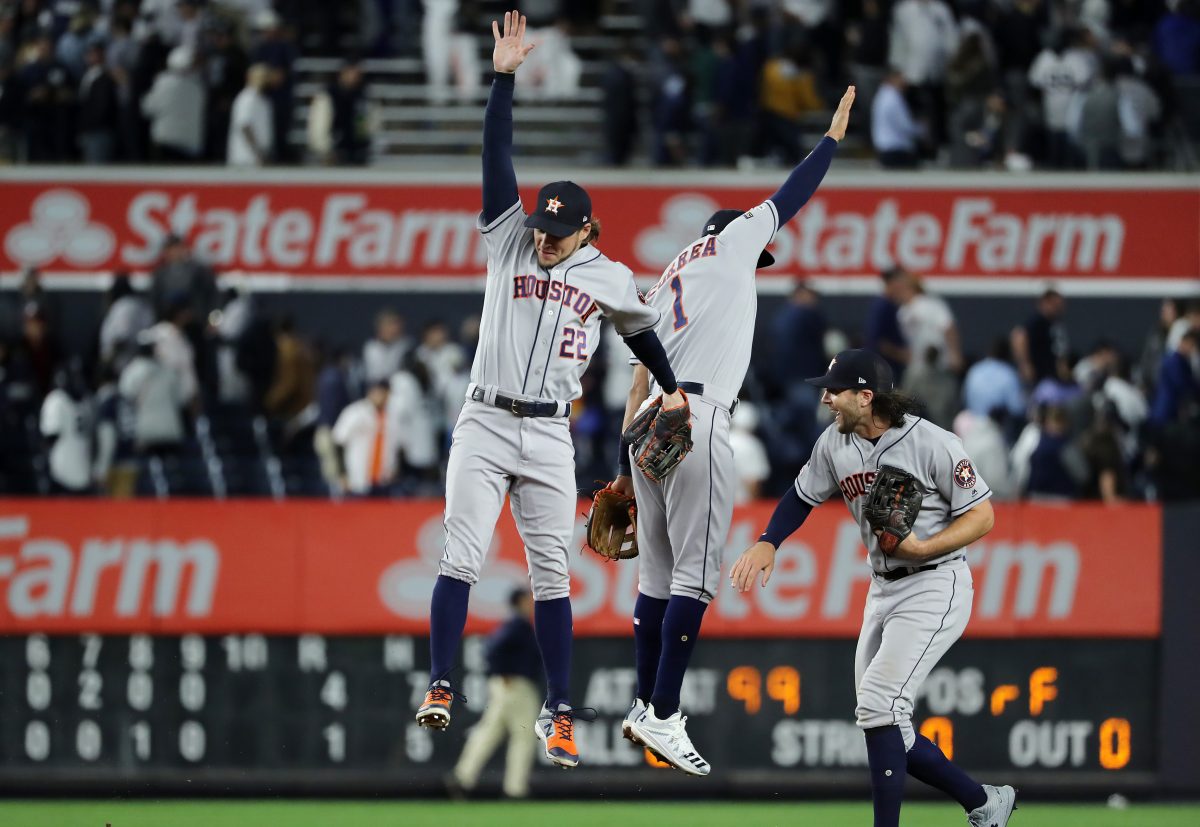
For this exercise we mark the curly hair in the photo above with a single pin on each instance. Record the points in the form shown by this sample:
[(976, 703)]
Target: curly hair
[(892, 406)]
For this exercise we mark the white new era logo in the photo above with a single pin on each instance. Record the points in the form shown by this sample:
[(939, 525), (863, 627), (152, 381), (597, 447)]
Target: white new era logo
[(862, 381)]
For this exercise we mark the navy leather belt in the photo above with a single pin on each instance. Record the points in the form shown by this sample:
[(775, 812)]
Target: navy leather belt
[(698, 389), (900, 574), (523, 407)]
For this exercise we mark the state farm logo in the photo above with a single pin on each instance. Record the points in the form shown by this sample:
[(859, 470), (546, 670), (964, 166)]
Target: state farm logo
[(59, 227), (682, 218), (48, 578)]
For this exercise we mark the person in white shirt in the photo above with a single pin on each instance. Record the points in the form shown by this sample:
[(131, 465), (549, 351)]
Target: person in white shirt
[(175, 106), (384, 354), (367, 440), (172, 349), (1062, 73), (251, 129), (154, 393), (66, 424), (927, 322), (924, 38)]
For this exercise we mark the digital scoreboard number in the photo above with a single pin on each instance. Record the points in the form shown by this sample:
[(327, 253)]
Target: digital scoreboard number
[(342, 707)]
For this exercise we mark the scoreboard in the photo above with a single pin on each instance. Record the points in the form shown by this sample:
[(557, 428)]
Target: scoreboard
[(252, 709)]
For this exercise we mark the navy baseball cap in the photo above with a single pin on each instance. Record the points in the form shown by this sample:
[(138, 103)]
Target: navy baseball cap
[(563, 207), (720, 220), (859, 369)]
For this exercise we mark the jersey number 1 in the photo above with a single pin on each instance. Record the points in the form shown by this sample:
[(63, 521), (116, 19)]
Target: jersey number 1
[(681, 318)]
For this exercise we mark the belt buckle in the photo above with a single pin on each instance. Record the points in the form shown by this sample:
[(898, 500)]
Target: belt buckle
[(513, 408)]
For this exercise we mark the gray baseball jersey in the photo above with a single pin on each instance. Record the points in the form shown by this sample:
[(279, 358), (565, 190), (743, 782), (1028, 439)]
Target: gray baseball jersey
[(847, 463), (708, 305), (539, 328)]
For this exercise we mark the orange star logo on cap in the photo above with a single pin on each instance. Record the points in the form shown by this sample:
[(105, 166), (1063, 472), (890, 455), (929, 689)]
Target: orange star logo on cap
[(553, 204)]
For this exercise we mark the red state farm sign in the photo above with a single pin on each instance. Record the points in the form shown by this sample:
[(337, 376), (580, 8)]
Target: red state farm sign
[(369, 567), (420, 230)]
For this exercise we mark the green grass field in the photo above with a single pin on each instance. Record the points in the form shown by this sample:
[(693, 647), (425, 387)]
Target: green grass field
[(216, 813)]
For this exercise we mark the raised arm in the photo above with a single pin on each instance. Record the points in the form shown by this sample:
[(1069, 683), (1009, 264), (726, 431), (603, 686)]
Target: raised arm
[(807, 176), (499, 178)]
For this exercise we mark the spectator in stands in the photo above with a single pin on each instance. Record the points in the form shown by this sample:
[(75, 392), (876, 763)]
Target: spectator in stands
[(1041, 346), (895, 134), (787, 93), (1050, 474), (1098, 130), (385, 353), (367, 441), (416, 414), (47, 94), (99, 109), (554, 70), (225, 67), (113, 467), (1061, 73), (447, 366), (251, 123), (923, 39), (276, 50), (175, 107), (983, 440), (1155, 346), (1177, 38), (73, 44), (128, 314), (351, 122), (156, 397), (620, 105), (514, 666), (121, 58), (38, 349), (975, 110), (227, 327), (926, 321), (450, 52), (180, 273), (335, 389), (173, 350), (293, 387), (749, 454), (798, 339), (868, 37), (993, 383), (672, 106), (1189, 320), (66, 426), (1140, 110), (1102, 374), (933, 384), (1108, 471), (1178, 388), (883, 333)]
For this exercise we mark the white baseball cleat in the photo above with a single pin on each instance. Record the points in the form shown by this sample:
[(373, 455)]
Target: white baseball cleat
[(636, 710), (668, 739), (997, 810)]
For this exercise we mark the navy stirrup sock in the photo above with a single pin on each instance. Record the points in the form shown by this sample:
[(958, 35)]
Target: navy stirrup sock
[(648, 615), (552, 623), (927, 763), (681, 627), (889, 766), (447, 617)]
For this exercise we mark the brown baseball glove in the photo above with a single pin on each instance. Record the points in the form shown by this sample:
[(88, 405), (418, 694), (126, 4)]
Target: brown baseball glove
[(892, 505), (612, 525)]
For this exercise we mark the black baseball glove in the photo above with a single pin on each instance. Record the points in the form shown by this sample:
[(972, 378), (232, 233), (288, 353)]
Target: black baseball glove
[(661, 438), (893, 503)]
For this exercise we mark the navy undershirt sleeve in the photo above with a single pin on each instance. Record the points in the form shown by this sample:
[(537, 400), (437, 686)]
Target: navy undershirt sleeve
[(499, 178), (789, 515), (804, 180), (649, 351)]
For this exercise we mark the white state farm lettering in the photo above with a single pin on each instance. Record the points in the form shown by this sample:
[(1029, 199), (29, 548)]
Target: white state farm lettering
[(1020, 580), (46, 578), (976, 238), (342, 232)]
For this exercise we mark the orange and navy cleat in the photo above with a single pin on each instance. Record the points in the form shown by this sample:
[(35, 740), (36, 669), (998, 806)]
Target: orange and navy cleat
[(556, 731), (435, 712)]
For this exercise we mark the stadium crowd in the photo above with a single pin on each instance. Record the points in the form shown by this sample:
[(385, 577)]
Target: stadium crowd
[(187, 389), (1097, 84)]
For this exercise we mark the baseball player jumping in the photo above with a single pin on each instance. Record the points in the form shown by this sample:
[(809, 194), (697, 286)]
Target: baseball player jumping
[(708, 303), (547, 289), (919, 503)]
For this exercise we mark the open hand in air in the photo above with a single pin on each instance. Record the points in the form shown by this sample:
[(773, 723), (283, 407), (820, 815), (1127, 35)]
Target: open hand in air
[(510, 51), (841, 118)]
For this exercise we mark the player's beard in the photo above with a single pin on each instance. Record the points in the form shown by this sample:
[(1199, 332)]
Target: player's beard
[(844, 421)]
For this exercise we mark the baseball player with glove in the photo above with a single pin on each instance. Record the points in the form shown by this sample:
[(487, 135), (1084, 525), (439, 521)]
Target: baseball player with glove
[(708, 303), (919, 504), (547, 289)]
